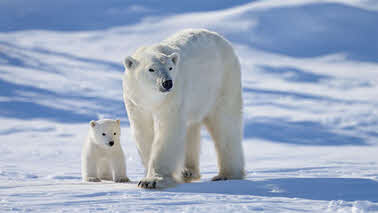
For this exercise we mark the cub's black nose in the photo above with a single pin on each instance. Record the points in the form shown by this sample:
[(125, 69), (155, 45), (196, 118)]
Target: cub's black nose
[(111, 143), (167, 84)]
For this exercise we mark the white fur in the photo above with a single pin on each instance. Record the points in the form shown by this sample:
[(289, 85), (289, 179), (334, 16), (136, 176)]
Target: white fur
[(206, 90), (99, 160)]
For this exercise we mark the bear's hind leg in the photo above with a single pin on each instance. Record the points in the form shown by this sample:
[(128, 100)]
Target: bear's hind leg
[(225, 127), (191, 166)]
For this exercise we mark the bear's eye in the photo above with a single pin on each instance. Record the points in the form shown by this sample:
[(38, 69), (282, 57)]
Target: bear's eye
[(151, 70), (103, 134), (170, 68), (115, 133)]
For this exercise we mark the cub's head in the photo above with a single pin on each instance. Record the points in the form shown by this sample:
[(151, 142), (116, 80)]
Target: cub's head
[(152, 74), (105, 132)]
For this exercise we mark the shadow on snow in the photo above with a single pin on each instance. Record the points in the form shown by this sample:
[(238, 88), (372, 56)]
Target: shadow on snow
[(93, 15), (300, 31), (29, 109), (348, 189), (298, 95), (292, 74), (300, 133), (297, 132), (40, 65), (17, 105)]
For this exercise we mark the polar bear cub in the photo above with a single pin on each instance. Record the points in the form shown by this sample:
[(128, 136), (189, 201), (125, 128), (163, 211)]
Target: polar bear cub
[(102, 157)]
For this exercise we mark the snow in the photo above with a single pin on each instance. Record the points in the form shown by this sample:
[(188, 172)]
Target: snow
[(310, 76)]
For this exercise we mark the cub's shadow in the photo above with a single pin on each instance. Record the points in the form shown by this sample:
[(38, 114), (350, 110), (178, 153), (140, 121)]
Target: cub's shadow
[(348, 189)]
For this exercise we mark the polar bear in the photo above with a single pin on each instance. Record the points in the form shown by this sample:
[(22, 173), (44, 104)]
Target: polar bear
[(170, 90), (102, 157)]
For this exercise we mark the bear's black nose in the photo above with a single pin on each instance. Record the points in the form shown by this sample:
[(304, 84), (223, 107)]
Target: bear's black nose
[(167, 84), (111, 143)]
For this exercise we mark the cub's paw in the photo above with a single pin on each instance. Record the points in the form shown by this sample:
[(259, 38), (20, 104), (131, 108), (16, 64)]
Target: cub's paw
[(188, 175), (156, 182), (106, 178), (92, 179), (122, 180)]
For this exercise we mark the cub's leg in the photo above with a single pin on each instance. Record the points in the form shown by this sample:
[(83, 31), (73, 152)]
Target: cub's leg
[(119, 168), (89, 169), (105, 172)]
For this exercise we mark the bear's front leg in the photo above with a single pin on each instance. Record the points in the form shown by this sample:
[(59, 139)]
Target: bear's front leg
[(167, 151), (143, 127)]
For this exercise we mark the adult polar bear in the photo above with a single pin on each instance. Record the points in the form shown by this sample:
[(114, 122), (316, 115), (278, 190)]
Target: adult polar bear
[(170, 89)]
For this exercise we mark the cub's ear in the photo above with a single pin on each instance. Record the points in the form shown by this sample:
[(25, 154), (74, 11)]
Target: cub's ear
[(175, 57), (118, 121), (129, 63), (92, 123)]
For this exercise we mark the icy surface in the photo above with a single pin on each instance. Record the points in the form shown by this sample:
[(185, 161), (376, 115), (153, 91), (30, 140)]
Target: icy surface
[(310, 88)]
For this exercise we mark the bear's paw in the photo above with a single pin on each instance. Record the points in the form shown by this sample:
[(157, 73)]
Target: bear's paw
[(93, 179), (189, 175), (219, 178), (156, 182), (122, 180)]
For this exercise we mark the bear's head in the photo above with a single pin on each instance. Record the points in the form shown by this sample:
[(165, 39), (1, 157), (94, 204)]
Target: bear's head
[(105, 132), (150, 76)]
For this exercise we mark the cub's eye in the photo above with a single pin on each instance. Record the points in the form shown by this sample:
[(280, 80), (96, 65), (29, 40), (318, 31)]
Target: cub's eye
[(170, 68), (115, 133), (103, 134), (151, 70)]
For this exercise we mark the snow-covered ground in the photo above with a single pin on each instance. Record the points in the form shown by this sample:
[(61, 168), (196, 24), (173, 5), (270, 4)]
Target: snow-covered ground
[(310, 83)]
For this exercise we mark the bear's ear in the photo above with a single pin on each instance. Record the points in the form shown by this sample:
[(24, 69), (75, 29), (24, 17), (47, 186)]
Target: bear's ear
[(129, 63), (92, 123), (175, 57), (118, 121)]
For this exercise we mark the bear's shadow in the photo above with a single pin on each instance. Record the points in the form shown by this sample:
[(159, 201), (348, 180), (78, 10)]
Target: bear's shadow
[(348, 189)]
